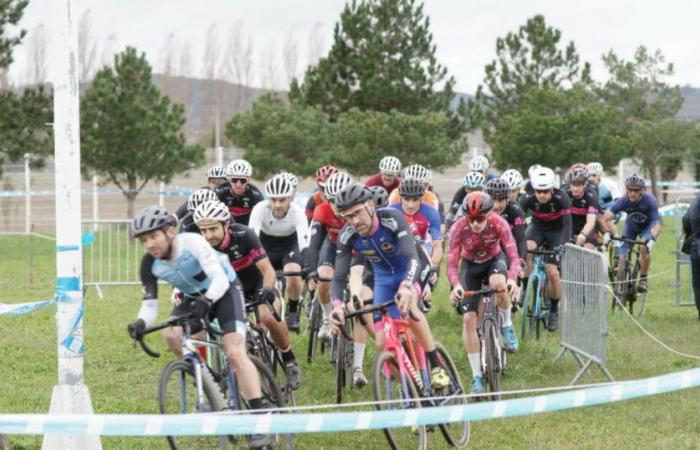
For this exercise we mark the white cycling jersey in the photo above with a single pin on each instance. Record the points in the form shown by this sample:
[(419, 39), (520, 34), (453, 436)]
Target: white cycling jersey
[(295, 221)]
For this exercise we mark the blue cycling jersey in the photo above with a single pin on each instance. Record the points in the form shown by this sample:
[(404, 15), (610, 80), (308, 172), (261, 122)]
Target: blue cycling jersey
[(605, 198), (641, 214)]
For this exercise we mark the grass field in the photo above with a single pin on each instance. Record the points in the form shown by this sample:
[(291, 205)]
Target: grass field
[(122, 379)]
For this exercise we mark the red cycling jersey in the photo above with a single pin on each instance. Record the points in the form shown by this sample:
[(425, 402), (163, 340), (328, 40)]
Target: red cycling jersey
[(482, 247), (324, 215), (376, 180)]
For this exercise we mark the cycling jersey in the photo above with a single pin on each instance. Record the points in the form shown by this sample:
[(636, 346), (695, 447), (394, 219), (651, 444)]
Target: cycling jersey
[(515, 217), (324, 227), (314, 200), (481, 247), (429, 198), (550, 216), (424, 223), (244, 250), (193, 268), (391, 250), (376, 180), (185, 218), (641, 214), (580, 208), (292, 225), (455, 206), (240, 207), (607, 192)]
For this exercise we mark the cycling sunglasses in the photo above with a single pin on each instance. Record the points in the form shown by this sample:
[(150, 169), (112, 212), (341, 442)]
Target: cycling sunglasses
[(477, 219), (239, 180)]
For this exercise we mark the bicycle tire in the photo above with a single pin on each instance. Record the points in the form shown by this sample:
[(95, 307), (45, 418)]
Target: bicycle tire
[(314, 326), (383, 382), (182, 373), (493, 371), (457, 433), (528, 310), (340, 369)]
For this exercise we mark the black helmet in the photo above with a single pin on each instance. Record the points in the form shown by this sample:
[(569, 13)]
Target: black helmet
[(151, 218), (498, 188), (351, 195), (634, 181), (381, 196), (411, 187)]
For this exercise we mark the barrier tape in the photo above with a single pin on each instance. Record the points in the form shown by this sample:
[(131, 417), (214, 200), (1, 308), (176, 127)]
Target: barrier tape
[(18, 309), (244, 423)]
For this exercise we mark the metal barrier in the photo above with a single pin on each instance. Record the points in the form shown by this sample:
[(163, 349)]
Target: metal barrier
[(113, 258), (583, 311), (683, 271)]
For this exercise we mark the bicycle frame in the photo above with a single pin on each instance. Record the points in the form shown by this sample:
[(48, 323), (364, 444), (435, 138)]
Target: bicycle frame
[(539, 276), (411, 358), (489, 313)]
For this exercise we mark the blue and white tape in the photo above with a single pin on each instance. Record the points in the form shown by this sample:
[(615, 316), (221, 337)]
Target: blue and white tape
[(232, 424), (18, 309)]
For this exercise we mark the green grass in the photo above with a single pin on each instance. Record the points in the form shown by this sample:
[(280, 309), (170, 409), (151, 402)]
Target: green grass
[(123, 379)]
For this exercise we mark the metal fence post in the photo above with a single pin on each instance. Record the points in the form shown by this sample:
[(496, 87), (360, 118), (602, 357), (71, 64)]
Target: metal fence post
[(95, 201), (27, 194)]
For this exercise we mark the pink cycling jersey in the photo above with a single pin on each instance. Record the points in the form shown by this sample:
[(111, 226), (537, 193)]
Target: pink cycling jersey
[(481, 247)]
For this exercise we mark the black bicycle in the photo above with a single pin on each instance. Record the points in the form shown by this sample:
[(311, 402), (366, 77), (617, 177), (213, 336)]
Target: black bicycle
[(625, 285), (315, 314)]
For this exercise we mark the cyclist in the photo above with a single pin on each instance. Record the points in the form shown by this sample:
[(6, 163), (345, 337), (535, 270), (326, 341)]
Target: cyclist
[(210, 289), (481, 164), (319, 196), (185, 212), (607, 190), (550, 227), (383, 237), (516, 182), (500, 190), (216, 175), (388, 176), (253, 269), (473, 181), (584, 207), (479, 240), (282, 227), (238, 194), (642, 220), (320, 256), (420, 173)]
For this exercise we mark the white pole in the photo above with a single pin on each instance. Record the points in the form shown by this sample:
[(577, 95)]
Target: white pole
[(95, 202), (161, 194), (27, 195), (71, 395)]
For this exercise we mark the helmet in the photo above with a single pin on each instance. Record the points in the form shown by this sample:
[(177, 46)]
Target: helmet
[(542, 179), (279, 186), (595, 168), (352, 194), (477, 203), (323, 173), (479, 163), (200, 196), (474, 180), (579, 166), (634, 181), (514, 178), (291, 178), (532, 169), (151, 218), (216, 172), (381, 196), (498, 188), (577, 174), (417, 171), (411, 187), (390, 165), (239, 168), (336, 183), (211, 210)]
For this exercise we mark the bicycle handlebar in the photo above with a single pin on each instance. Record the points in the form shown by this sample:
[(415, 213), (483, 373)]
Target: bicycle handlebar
[(360, 312), (259, 301), (173, 321), (628, 241)]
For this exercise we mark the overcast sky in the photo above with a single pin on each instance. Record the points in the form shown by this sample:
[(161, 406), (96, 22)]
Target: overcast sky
[(465, 31)]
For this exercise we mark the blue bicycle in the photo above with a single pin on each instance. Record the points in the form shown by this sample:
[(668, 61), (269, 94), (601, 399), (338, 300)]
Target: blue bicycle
[(536, 300)]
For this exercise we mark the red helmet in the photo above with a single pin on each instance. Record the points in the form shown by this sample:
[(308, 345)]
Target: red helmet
[(477, 203), (323, 173), (580, 166)]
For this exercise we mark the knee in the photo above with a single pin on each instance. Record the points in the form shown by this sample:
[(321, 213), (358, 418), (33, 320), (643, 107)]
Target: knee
[(236, 353), (552, 272), (470, 321)]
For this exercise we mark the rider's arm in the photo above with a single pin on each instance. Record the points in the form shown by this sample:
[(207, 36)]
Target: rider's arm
[(149, 305), (357, 268), (316, 235), (454, 252), (211, 265), (654, 218), (435, 234), (268, 272), (310, 206), (510, 249), (407, 244), (343, 259), (302, 226), (592, 214), (256, 217), (457, 200), (257, 253), (519, 234), (566, 214)]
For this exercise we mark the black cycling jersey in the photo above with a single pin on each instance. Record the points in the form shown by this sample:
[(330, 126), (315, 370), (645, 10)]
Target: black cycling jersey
[(516, 219), (240, 207), (244, 250), (550, 216), (580, 208)]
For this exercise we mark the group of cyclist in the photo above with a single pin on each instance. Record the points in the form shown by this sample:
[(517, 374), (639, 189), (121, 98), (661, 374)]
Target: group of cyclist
[(382, 240)]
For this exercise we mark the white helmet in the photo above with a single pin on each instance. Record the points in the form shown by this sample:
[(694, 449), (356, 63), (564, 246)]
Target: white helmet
[(478, 163), (532, 169), (474, 180), (216, 172), (239, 168), (200, 196), (279, 186), (514, 178), (542, 179), (390, 165), (418, 172), (291, 178), (211, 211), (595, 168), (336, 183)]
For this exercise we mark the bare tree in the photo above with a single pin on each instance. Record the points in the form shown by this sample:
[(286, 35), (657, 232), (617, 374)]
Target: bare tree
[(87, 46), (290, 55), (238, 62), (315, 43), (37, 55), (168, 55), (212, 54), (185, 62), (268, 75)]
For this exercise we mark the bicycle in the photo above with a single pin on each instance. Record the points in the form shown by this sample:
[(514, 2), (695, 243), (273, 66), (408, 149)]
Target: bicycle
[(401, 379), (536, 300), (345, 354), (493, 356), (315, 319), (191, 385), (281, 285), (627, 277)]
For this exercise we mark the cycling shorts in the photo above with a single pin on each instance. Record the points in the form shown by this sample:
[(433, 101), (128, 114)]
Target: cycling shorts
[(474, 275), (549, 240), (326, 256), (631, 231), (228, 311)]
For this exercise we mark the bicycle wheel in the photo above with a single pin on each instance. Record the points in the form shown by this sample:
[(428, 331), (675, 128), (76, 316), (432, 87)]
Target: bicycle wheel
[(314, 326), (177, 394), (389, 384), (542, 309), (340, 368), (492, 370), (527, 325), (456, 433)]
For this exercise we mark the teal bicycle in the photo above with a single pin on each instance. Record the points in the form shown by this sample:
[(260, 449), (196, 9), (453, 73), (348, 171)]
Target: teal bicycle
[(536, 300)]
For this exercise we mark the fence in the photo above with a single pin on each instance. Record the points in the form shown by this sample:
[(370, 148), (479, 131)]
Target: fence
[(584, 319)]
